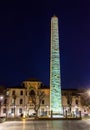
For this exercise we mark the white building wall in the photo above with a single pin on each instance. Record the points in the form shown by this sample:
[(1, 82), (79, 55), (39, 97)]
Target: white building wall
[(27, 107)]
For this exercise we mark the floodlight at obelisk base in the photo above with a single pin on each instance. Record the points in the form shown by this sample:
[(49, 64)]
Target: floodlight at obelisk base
[(55, 77)]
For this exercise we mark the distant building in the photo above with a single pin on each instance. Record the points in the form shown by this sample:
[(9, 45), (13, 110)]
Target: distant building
[(17, 100)]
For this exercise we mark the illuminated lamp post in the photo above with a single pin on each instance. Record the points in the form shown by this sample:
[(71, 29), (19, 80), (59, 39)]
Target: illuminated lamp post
[(1, 98)]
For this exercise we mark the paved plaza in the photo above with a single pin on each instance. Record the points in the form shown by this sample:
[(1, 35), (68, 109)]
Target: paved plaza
[(46, 125)]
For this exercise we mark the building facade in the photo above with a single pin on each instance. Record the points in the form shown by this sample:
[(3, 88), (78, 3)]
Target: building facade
[(17, 101)]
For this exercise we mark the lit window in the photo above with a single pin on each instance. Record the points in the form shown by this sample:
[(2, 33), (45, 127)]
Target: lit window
[(43, 102), (20, 110), (13, 92), (12, 110), (5, 101), (32, 93), (4, 110), (21, 101), (76, 101), (21, 92)]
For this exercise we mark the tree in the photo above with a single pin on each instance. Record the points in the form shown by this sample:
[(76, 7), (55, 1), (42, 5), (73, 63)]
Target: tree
[(85, 97), (36, 98)]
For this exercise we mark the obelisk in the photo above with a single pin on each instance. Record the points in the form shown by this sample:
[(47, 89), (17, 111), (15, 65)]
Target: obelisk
[(55, 78)]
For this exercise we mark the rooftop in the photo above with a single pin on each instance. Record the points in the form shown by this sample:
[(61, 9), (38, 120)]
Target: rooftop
[(32, 80)]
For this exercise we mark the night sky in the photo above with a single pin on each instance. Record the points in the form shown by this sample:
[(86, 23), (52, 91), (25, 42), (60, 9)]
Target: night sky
[(25, 41)]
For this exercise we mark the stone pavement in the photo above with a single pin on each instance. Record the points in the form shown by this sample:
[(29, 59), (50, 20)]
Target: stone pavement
[(46, 125)]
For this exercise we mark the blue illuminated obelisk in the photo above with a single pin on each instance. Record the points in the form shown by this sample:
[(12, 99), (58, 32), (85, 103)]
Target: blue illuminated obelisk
[(55, 78)]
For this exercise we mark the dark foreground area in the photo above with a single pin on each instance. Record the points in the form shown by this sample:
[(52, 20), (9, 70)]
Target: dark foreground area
[(46, 125)]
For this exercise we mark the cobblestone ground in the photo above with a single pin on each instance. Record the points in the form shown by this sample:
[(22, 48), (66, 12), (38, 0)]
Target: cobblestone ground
[(46, 125)]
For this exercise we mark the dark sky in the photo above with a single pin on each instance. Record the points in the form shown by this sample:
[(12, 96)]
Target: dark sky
[(25, 41)]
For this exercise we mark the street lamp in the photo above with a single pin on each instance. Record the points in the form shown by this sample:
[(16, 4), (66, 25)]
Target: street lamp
[(1, 98)]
